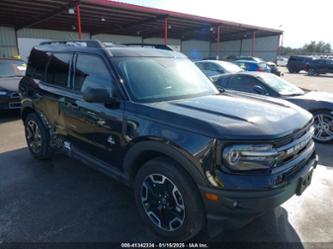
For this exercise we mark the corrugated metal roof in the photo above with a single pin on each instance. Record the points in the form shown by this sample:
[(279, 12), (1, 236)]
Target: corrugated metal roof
[(109, 17)]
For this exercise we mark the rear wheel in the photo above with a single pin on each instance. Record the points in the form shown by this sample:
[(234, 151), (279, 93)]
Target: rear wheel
[(313, 72), (168, 200), (323, 123), (37, 137)]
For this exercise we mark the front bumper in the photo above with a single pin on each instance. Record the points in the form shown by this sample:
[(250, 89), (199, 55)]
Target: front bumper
[(10, 101), (235, 208)]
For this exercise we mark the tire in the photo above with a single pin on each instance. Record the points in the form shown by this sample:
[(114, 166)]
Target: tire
[(38, 138), (291, 70), (184, 199), (311, 72), (323, 121)]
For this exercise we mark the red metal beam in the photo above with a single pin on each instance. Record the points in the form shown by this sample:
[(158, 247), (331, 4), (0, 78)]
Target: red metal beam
[(218, 42), (78, 15), (166, 26), (253, 52)]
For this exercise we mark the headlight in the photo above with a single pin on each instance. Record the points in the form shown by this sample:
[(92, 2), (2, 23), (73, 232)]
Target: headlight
[(249, 157), (3, 93)]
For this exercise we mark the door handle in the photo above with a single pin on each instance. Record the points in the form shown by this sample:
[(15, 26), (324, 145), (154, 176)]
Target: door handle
[(39, 95), (74, 106)]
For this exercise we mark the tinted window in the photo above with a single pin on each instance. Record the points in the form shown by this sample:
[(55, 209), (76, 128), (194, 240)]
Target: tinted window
[(243, 84), (58, 69), (91, 71), (157, 78), (37, 64), (211, 67)]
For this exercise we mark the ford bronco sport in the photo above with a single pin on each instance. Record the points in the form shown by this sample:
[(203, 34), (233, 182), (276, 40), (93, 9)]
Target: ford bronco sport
[(195, 157)]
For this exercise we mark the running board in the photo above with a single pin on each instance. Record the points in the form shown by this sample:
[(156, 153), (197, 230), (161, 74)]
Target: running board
[(95, 163)]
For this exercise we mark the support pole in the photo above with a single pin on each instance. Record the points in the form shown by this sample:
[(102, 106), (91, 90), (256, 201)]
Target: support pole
[(166, 30), (278, 49), (253, 53), (78, 15), (218, 42)]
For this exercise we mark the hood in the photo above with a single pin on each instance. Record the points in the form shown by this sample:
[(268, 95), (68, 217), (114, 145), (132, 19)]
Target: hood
[(231, 116), (313, 100), (10, 83), (314, 95)]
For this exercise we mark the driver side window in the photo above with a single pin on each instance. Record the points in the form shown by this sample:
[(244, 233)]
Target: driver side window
[(91, 71), (244, 84)]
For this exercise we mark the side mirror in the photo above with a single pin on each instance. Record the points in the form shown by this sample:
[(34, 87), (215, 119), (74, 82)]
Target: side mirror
[(96, 95), (260, 90)]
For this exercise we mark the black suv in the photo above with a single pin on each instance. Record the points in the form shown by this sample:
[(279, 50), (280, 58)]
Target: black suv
[(319, 66), (297, 63), (151, 119)]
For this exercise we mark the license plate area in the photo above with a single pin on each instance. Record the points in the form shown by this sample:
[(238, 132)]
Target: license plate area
[(304, 182)]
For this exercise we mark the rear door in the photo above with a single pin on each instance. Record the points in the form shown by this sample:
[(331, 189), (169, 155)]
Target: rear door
[(329, 66), (93, 127), (47, 82)]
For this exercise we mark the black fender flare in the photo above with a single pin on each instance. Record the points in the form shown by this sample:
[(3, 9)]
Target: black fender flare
[(166, 149)]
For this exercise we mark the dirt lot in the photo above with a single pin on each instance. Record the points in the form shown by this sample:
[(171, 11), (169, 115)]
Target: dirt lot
[(62, 200), (320, 83)]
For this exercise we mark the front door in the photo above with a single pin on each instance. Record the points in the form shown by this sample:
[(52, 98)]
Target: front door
[(93, 127)]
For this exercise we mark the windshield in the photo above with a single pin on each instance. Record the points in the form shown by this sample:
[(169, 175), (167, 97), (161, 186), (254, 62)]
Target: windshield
[(12, 68), (280, 85), (230, 67), (150, 79)]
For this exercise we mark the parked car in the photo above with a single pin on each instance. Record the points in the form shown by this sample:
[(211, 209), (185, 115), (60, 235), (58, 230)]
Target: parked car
[(213, 68), (297, 63), (282, 61), (274, 69), (152, 120), (11, 72), (320, 104), (253, 66), (244, 57), (319, 66)]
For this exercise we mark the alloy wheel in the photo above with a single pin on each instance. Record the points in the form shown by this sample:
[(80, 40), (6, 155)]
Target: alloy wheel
[(323, 124), (33, 136), (163, 203)]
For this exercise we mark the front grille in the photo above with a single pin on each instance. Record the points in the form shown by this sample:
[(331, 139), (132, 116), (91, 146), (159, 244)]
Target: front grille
[(296, 145)]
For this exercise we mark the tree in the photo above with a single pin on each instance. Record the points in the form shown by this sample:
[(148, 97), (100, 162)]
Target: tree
[(317, 47), (313, 47)]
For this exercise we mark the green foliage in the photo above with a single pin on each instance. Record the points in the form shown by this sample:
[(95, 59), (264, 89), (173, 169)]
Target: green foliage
[(313, 47)]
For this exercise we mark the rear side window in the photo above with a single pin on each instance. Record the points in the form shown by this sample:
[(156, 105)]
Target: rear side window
[(58, 69), (37, 64), (262, 66), (91, 71)]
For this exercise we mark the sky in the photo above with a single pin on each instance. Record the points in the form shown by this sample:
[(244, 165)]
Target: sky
[(301, 21)]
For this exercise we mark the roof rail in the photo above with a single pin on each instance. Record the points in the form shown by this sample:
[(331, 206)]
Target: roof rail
[(74, 43), (149, 45)]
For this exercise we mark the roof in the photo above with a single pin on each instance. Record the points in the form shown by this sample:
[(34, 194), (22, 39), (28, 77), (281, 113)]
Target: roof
[(249, 61), (103, 16), (114, 50)]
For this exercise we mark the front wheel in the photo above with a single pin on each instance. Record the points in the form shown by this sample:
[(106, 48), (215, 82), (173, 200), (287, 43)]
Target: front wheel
[(323, 123), (37, 137), (168, 200)]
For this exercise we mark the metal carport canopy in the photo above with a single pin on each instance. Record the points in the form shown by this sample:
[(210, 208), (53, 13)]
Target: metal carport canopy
[(109, 17)]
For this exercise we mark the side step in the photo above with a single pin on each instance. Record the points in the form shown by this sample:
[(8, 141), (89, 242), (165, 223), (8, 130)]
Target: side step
[(95, 163)]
